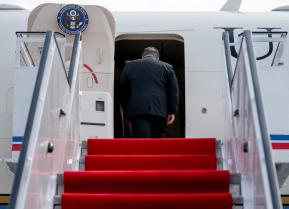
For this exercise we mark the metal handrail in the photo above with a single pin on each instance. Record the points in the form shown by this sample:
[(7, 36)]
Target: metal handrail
[(18, 176), (61, 58), (49, 38), (227, 44), (228, 57), (236, 67), (265, 32), (26, 48), (270, 168), (230, 72), (274, 187), (19, 33)]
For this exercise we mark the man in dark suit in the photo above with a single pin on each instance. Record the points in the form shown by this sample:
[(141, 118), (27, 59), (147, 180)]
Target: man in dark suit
[(150, 94)]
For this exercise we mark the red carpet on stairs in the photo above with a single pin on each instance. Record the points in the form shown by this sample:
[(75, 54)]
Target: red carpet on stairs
[(147, 201), (148, 174), (146, 182), (206, 146), (150, 162)]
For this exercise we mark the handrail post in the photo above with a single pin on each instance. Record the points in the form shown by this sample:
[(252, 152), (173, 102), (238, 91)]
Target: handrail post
[(274, 188), (73, 56), (228, 57)]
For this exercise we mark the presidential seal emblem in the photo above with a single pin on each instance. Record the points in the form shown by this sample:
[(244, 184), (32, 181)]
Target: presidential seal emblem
[(72, 19)]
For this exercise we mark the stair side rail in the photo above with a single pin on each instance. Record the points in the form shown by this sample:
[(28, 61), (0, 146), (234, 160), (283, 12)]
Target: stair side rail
[(51, 138), (248, 149)]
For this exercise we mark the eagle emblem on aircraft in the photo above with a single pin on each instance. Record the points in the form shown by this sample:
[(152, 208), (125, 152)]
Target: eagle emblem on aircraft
[(72, 19)]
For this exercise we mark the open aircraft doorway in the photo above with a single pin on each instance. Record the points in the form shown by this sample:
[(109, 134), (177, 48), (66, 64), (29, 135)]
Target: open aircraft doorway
[(171, 48)]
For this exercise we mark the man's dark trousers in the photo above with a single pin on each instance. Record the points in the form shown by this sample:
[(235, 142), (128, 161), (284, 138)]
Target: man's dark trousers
[(147, 126)]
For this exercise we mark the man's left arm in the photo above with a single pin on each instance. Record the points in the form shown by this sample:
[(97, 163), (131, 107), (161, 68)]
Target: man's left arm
[(124, 87), (173, 96)]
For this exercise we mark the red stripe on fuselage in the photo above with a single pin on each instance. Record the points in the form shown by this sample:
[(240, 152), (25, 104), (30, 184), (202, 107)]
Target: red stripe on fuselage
[(16, 147), (277, 145), (92, 72)]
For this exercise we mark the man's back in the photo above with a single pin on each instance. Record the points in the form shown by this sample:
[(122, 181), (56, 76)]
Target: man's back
[(149, 87), (150, 94)]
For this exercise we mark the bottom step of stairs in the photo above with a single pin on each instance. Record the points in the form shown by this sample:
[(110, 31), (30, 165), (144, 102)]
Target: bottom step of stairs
[(146, 201)]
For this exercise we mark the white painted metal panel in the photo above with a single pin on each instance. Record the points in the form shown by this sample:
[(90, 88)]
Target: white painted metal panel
[(6, 103), (23, 89), (6, 178), (98, 38), (97, 74), (103, 82), (95, 121), (206, 91), (5, 149), (12, 21), (275, 91)]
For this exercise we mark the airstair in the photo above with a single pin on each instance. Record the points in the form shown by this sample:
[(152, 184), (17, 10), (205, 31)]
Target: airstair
[(57, 169), (148, 173)]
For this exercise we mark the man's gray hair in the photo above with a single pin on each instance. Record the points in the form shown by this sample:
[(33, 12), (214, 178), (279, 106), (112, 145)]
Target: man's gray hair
[(151, 52)]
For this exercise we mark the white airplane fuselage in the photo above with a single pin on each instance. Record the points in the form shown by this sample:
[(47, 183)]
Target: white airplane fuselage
[(203, 73)]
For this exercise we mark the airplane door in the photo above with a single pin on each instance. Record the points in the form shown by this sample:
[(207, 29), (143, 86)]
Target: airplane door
[(97, 26)]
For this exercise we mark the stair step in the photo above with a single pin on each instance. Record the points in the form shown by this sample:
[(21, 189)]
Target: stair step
[(234, 187), (150, 162), (145, 201), (164, 181), (235, 179), (236, 201), (164, 146), (219, 143)]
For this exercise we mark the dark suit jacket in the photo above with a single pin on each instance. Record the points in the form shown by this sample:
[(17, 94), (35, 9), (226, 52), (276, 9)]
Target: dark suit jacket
[(149, 87)]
